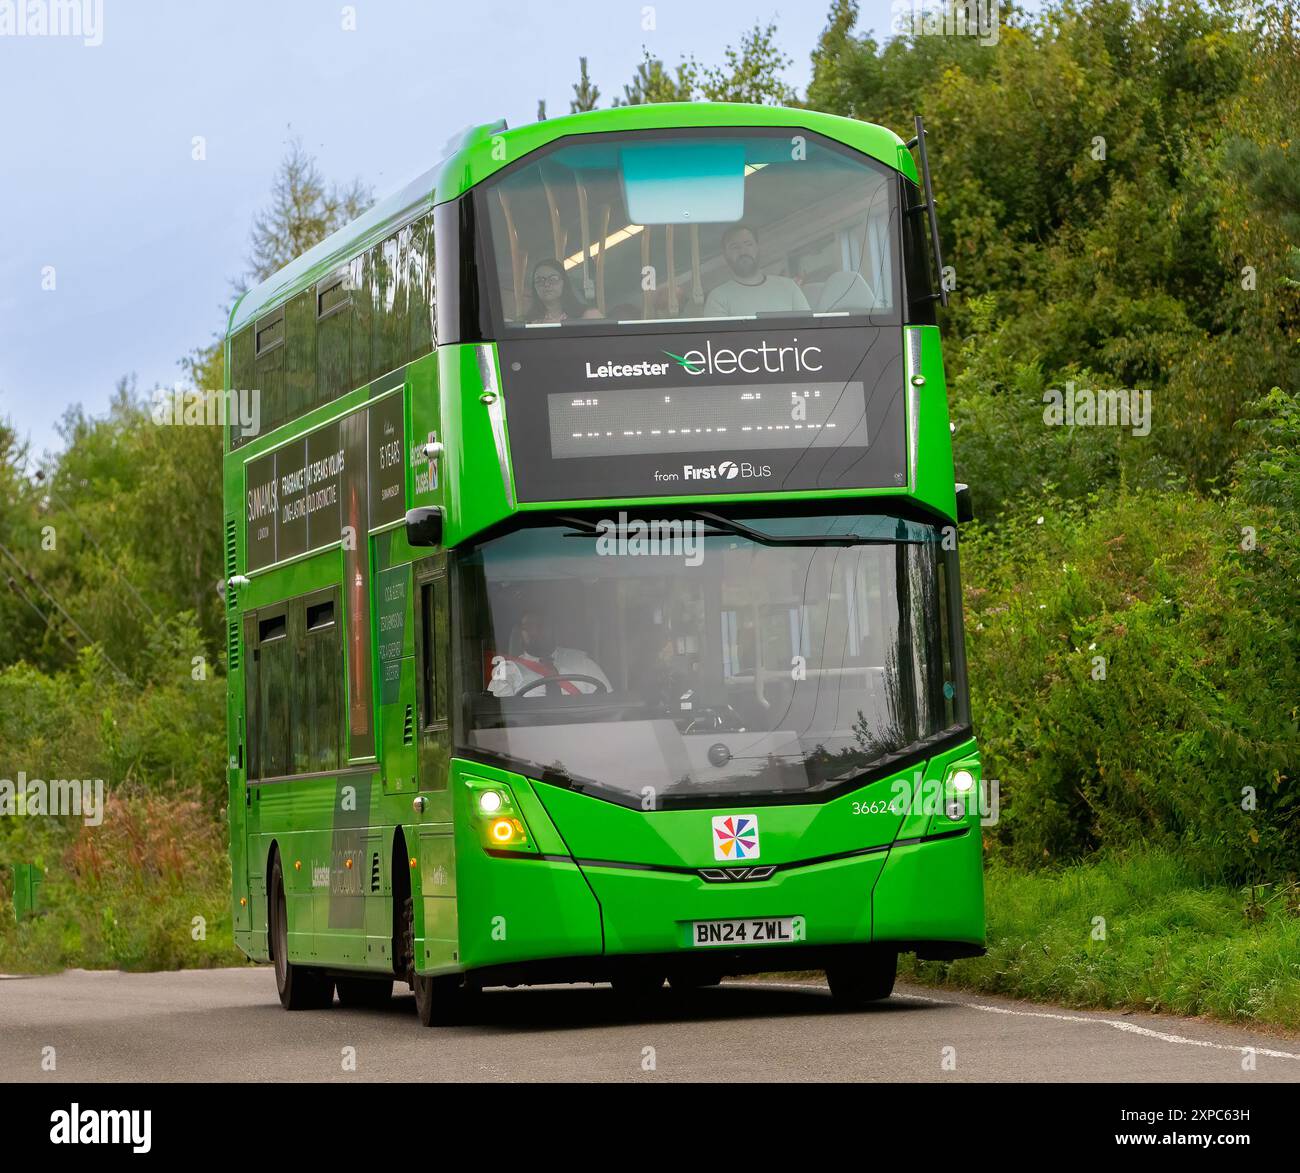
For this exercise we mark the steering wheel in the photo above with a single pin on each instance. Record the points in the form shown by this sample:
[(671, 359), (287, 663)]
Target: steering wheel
[(577, 677), (724, 719)]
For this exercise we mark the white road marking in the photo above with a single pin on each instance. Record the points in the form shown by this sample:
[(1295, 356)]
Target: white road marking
[(1118, 1024)]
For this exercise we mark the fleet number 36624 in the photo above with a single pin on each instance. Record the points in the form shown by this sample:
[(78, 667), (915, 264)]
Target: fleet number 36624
[(879, 807)]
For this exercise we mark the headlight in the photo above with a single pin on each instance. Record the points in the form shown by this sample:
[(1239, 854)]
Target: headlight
[(497, 816), (504, 832)]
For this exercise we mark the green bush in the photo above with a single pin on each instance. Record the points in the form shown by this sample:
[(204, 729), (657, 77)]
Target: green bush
[(148, 889), (1128, 657)]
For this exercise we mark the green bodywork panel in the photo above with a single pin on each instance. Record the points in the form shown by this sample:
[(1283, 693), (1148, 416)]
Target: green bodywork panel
[(530, 907)]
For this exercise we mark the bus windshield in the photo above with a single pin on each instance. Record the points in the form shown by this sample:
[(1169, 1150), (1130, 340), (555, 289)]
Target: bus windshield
[(662, 664), (603, 232)]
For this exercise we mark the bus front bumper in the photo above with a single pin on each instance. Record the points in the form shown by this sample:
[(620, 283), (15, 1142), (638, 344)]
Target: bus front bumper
[(924, 895)]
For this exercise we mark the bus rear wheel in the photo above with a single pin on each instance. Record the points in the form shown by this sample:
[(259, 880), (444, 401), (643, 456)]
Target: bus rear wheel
[(685, 983), (365, 992), (637, 984), (863, 979), (300, 987)]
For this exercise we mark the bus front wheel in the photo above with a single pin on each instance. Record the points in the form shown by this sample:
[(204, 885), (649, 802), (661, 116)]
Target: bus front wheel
[(863, 979), (300, 987), (440, 1000)]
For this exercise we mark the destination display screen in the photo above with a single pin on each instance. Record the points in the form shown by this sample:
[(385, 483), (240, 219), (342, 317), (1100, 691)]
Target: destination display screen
[(696, 419), (743, 411)]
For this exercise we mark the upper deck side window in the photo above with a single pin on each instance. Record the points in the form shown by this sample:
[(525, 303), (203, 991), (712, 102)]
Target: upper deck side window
[(674, 226), (369, 316)]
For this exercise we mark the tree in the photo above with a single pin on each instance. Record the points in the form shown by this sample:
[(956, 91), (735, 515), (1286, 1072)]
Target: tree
[(750, 73), (302, 212), (585, 95), (846, 68), (653, 83)]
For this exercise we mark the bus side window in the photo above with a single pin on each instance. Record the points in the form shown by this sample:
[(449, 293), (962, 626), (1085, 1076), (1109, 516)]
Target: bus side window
[(419, 259), (300, 355), (269, 363), (333, 336), (434, 665), (252, 720), (323, 664), (292, 688), (242, 378), (273, 709), (299, 713)]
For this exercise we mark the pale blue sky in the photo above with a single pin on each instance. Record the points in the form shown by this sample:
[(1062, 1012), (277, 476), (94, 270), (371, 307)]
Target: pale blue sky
[(97, 179)]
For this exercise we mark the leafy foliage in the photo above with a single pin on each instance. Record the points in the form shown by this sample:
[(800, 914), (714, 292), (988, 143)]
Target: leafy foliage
[(302, 212), (1117, 187), (585, 93)]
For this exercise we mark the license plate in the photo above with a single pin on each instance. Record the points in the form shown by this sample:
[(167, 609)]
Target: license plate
[(767, 931)]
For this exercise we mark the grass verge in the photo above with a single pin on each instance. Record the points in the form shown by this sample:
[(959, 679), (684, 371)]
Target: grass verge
[(1134, 931)]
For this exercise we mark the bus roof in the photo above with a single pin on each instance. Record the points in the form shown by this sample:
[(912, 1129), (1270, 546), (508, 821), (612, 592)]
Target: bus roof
[(481, 151)]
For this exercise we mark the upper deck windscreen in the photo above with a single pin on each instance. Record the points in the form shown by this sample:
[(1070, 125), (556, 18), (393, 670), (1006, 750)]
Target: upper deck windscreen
[(600, 234)]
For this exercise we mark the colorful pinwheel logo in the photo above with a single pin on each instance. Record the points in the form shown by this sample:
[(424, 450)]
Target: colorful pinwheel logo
[(735, 837)]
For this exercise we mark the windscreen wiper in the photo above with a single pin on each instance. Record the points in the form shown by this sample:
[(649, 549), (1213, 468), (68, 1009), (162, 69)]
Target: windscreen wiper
[(589, 529), (729, 526), (741, 530)]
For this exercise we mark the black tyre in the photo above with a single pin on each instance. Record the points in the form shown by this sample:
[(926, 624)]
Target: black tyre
[(685, 983), (440, 1000), (864, 979), (364, 992), (636, 985), (300, 987)]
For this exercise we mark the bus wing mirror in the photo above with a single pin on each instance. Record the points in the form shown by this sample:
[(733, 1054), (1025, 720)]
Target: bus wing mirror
[(424, 526), (928, 188), (965, 507)]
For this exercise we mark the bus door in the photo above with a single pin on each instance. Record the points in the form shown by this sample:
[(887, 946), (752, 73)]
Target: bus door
[(433, 741)]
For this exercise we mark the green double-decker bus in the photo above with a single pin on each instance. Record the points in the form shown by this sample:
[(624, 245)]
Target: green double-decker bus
[(592, 592)]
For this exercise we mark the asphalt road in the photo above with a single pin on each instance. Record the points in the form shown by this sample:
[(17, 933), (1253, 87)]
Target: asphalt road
[(227, 1025)]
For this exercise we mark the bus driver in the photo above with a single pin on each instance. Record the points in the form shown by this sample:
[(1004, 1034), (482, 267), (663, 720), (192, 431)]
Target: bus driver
[(541, 659)]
